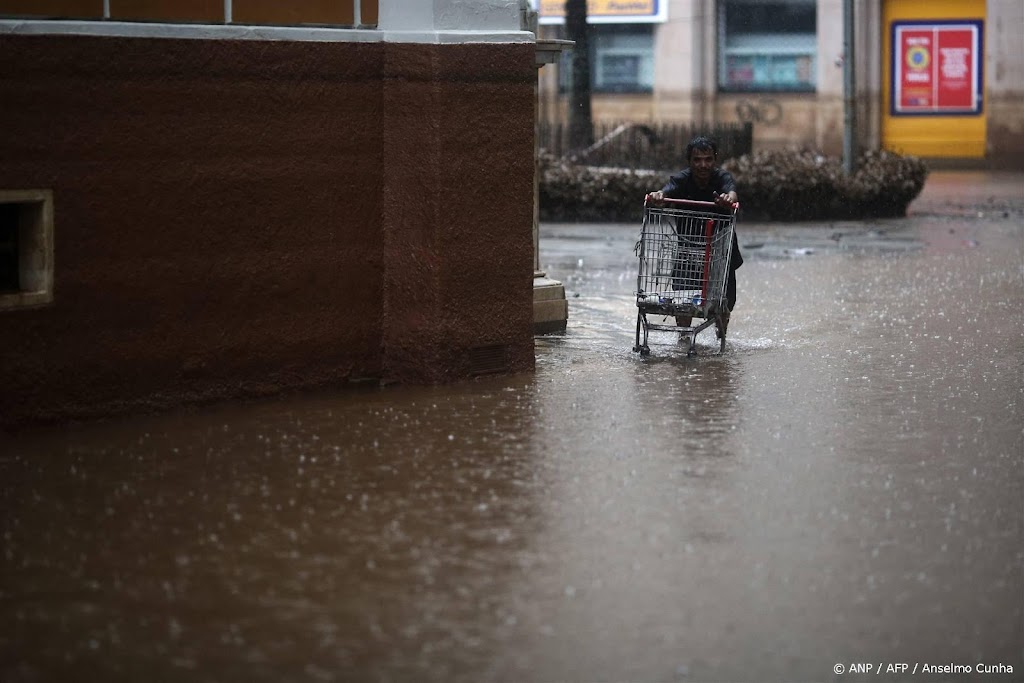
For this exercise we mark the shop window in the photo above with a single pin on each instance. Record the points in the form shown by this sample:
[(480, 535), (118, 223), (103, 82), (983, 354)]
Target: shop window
[(621, 59), (26, 248), (767, 45)]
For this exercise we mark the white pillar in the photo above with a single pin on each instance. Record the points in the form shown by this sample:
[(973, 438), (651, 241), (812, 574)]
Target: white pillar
[(448, 15), (684, 62)]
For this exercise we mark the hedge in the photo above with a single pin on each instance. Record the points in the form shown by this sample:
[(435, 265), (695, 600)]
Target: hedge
[(773, 185)]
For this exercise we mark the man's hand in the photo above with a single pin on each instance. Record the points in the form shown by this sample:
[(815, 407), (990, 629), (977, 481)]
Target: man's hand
[(726, 198), (656, 197)]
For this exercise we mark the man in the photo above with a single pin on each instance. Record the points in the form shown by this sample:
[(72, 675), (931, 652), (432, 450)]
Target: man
[(703, 181)]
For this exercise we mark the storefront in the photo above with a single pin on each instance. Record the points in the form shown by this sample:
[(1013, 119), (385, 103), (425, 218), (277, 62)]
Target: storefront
[(934, 78)]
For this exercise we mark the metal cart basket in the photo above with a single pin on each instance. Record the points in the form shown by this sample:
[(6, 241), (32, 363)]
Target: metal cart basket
[(684, 251)]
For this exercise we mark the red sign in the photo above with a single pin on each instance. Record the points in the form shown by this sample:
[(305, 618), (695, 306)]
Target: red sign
[(936, 68)]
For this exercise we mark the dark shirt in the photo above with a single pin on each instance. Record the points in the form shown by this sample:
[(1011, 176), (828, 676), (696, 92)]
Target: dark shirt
[(682, 185)]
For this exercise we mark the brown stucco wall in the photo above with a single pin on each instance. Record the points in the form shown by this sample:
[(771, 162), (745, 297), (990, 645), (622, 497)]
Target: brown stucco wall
[(458, 208), (235, 218)]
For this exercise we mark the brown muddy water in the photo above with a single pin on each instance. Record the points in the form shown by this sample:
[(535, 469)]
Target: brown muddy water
[(842, 487)]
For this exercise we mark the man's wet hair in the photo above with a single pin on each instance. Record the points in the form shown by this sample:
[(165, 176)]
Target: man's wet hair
[(701, 143)]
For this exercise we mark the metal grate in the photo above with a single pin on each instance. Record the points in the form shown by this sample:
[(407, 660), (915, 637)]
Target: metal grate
[(9, 277), (485, 360), (658, 146)]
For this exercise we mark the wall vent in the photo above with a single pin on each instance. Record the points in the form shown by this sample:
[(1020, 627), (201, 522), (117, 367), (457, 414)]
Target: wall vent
[(26, 248), (485, 360)]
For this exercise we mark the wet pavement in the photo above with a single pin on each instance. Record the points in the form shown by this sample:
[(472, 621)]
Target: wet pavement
[(843, 487)]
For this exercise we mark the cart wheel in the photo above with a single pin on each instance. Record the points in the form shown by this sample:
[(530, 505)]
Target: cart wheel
[(719, 327), (636, 344), (645, 351), (691, 349)]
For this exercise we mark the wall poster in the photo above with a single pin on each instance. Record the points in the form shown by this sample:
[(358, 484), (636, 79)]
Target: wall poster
[(936, 67)]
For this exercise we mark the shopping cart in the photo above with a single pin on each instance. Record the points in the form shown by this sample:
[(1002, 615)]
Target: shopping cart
[(684, 251)]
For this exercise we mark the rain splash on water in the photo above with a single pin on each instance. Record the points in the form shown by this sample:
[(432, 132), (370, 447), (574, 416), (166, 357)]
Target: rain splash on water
[(844, 482)]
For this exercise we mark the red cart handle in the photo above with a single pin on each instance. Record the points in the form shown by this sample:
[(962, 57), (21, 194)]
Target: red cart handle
[(688, 202)]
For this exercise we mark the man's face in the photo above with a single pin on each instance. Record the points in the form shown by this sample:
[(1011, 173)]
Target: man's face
[(702, 161)]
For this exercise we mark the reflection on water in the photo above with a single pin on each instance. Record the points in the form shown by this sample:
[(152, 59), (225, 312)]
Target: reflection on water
[(844, 482)]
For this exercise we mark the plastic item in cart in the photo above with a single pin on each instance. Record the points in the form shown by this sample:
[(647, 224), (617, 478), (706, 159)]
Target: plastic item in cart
[(697, 301), (655, 299)]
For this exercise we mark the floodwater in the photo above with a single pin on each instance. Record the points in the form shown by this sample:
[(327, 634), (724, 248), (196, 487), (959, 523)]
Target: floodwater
[(843, 487)]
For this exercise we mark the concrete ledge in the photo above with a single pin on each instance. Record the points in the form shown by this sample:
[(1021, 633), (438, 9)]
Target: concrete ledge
[(38, 27), (989, 163), (546, 289), (550, 307)]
